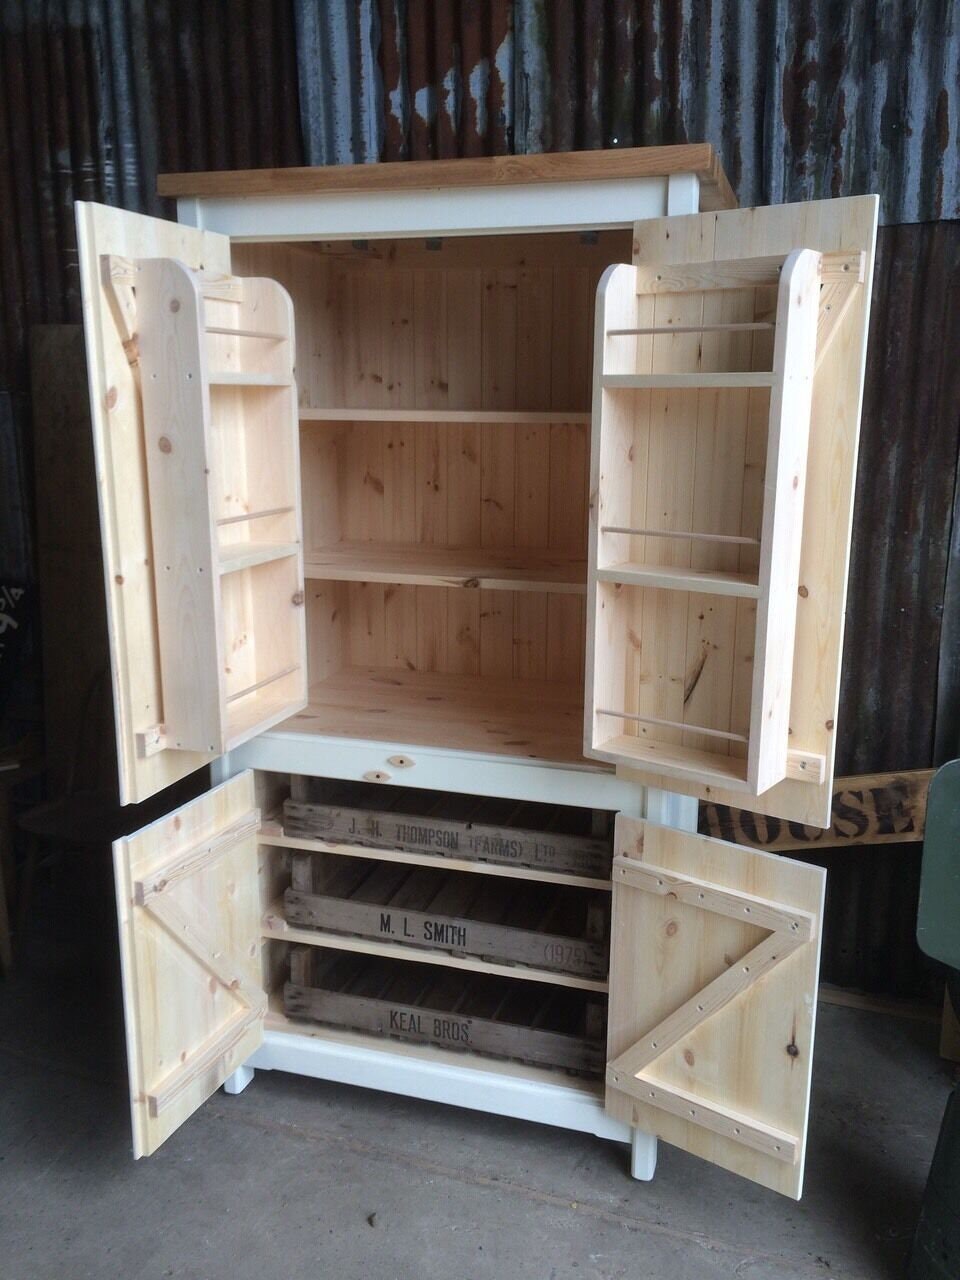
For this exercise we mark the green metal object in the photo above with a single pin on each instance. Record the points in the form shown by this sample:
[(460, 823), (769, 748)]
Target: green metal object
[(938, 918), (936, 1246)]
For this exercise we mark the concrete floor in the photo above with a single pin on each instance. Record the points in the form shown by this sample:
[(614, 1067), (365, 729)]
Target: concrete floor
[(297, 1178)]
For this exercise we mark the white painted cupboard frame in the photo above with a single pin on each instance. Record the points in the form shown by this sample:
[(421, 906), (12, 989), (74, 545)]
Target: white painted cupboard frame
[(338, 1056)]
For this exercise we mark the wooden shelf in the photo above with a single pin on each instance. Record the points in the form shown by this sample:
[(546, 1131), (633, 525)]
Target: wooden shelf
[(679, 578), (265, 514), (271, 835), (229, 378), (684, 535), (244, 555), (228, 332), (484, 568), (517, 416), (660, 331), (256, 712), (274, 925), (684, 381), (521, 719), (673, 760)]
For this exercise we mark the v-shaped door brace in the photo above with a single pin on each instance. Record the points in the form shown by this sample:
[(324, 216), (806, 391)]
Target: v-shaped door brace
[(153, 896), (790, 929)]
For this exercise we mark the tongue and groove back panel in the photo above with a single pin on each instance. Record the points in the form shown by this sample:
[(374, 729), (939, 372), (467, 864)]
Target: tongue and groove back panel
[(497, 332)]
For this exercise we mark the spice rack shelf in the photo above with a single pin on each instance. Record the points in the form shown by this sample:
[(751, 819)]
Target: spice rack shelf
[(506, 417), (702, 393)]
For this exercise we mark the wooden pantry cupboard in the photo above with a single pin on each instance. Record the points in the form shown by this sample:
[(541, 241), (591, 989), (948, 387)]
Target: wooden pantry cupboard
[(524, 478)]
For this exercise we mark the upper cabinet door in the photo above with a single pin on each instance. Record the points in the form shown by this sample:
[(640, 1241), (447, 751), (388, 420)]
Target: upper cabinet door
[(728, 375), (195, 426), (188, 907), (713, 994)]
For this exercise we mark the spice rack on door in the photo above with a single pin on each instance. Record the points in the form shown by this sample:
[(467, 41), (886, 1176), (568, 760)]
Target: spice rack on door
[(703, 383), (221, 436)]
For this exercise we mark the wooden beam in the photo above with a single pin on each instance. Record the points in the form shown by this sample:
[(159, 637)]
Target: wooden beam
[(740, 273), (486, 171), (733, 903), (873, 808), (889, 1006), (835, 299), (713, 1116), (742, 975), (192, 860), (225, 967), (184, 1073)]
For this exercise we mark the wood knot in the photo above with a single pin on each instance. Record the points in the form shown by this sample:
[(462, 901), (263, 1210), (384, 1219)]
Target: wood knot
[(671, 928), (792, 1049), (164, 445), (112, 397), (297, 598), (174, 305), (688, 1057), (802, 592)]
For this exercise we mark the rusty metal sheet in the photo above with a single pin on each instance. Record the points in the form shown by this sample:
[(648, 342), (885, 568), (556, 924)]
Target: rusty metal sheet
[(903, 512), (802, 101)]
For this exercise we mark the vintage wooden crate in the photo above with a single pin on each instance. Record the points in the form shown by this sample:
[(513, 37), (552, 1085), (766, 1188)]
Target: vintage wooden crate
[(546, 926), (427, 1004), (549, 837)]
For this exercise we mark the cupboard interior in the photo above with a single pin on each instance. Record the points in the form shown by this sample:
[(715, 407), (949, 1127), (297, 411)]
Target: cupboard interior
[(444, 401)]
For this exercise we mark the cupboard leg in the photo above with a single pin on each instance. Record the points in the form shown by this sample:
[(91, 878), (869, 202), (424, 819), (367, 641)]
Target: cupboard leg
[(237, 1082), (643, 1155)]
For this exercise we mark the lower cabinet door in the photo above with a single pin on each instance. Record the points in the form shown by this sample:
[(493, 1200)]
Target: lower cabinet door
[(189, 915), (713, 988)]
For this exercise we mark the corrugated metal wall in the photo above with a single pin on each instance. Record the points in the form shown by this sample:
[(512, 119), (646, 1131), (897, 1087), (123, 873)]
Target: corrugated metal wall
[(803, 98)]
